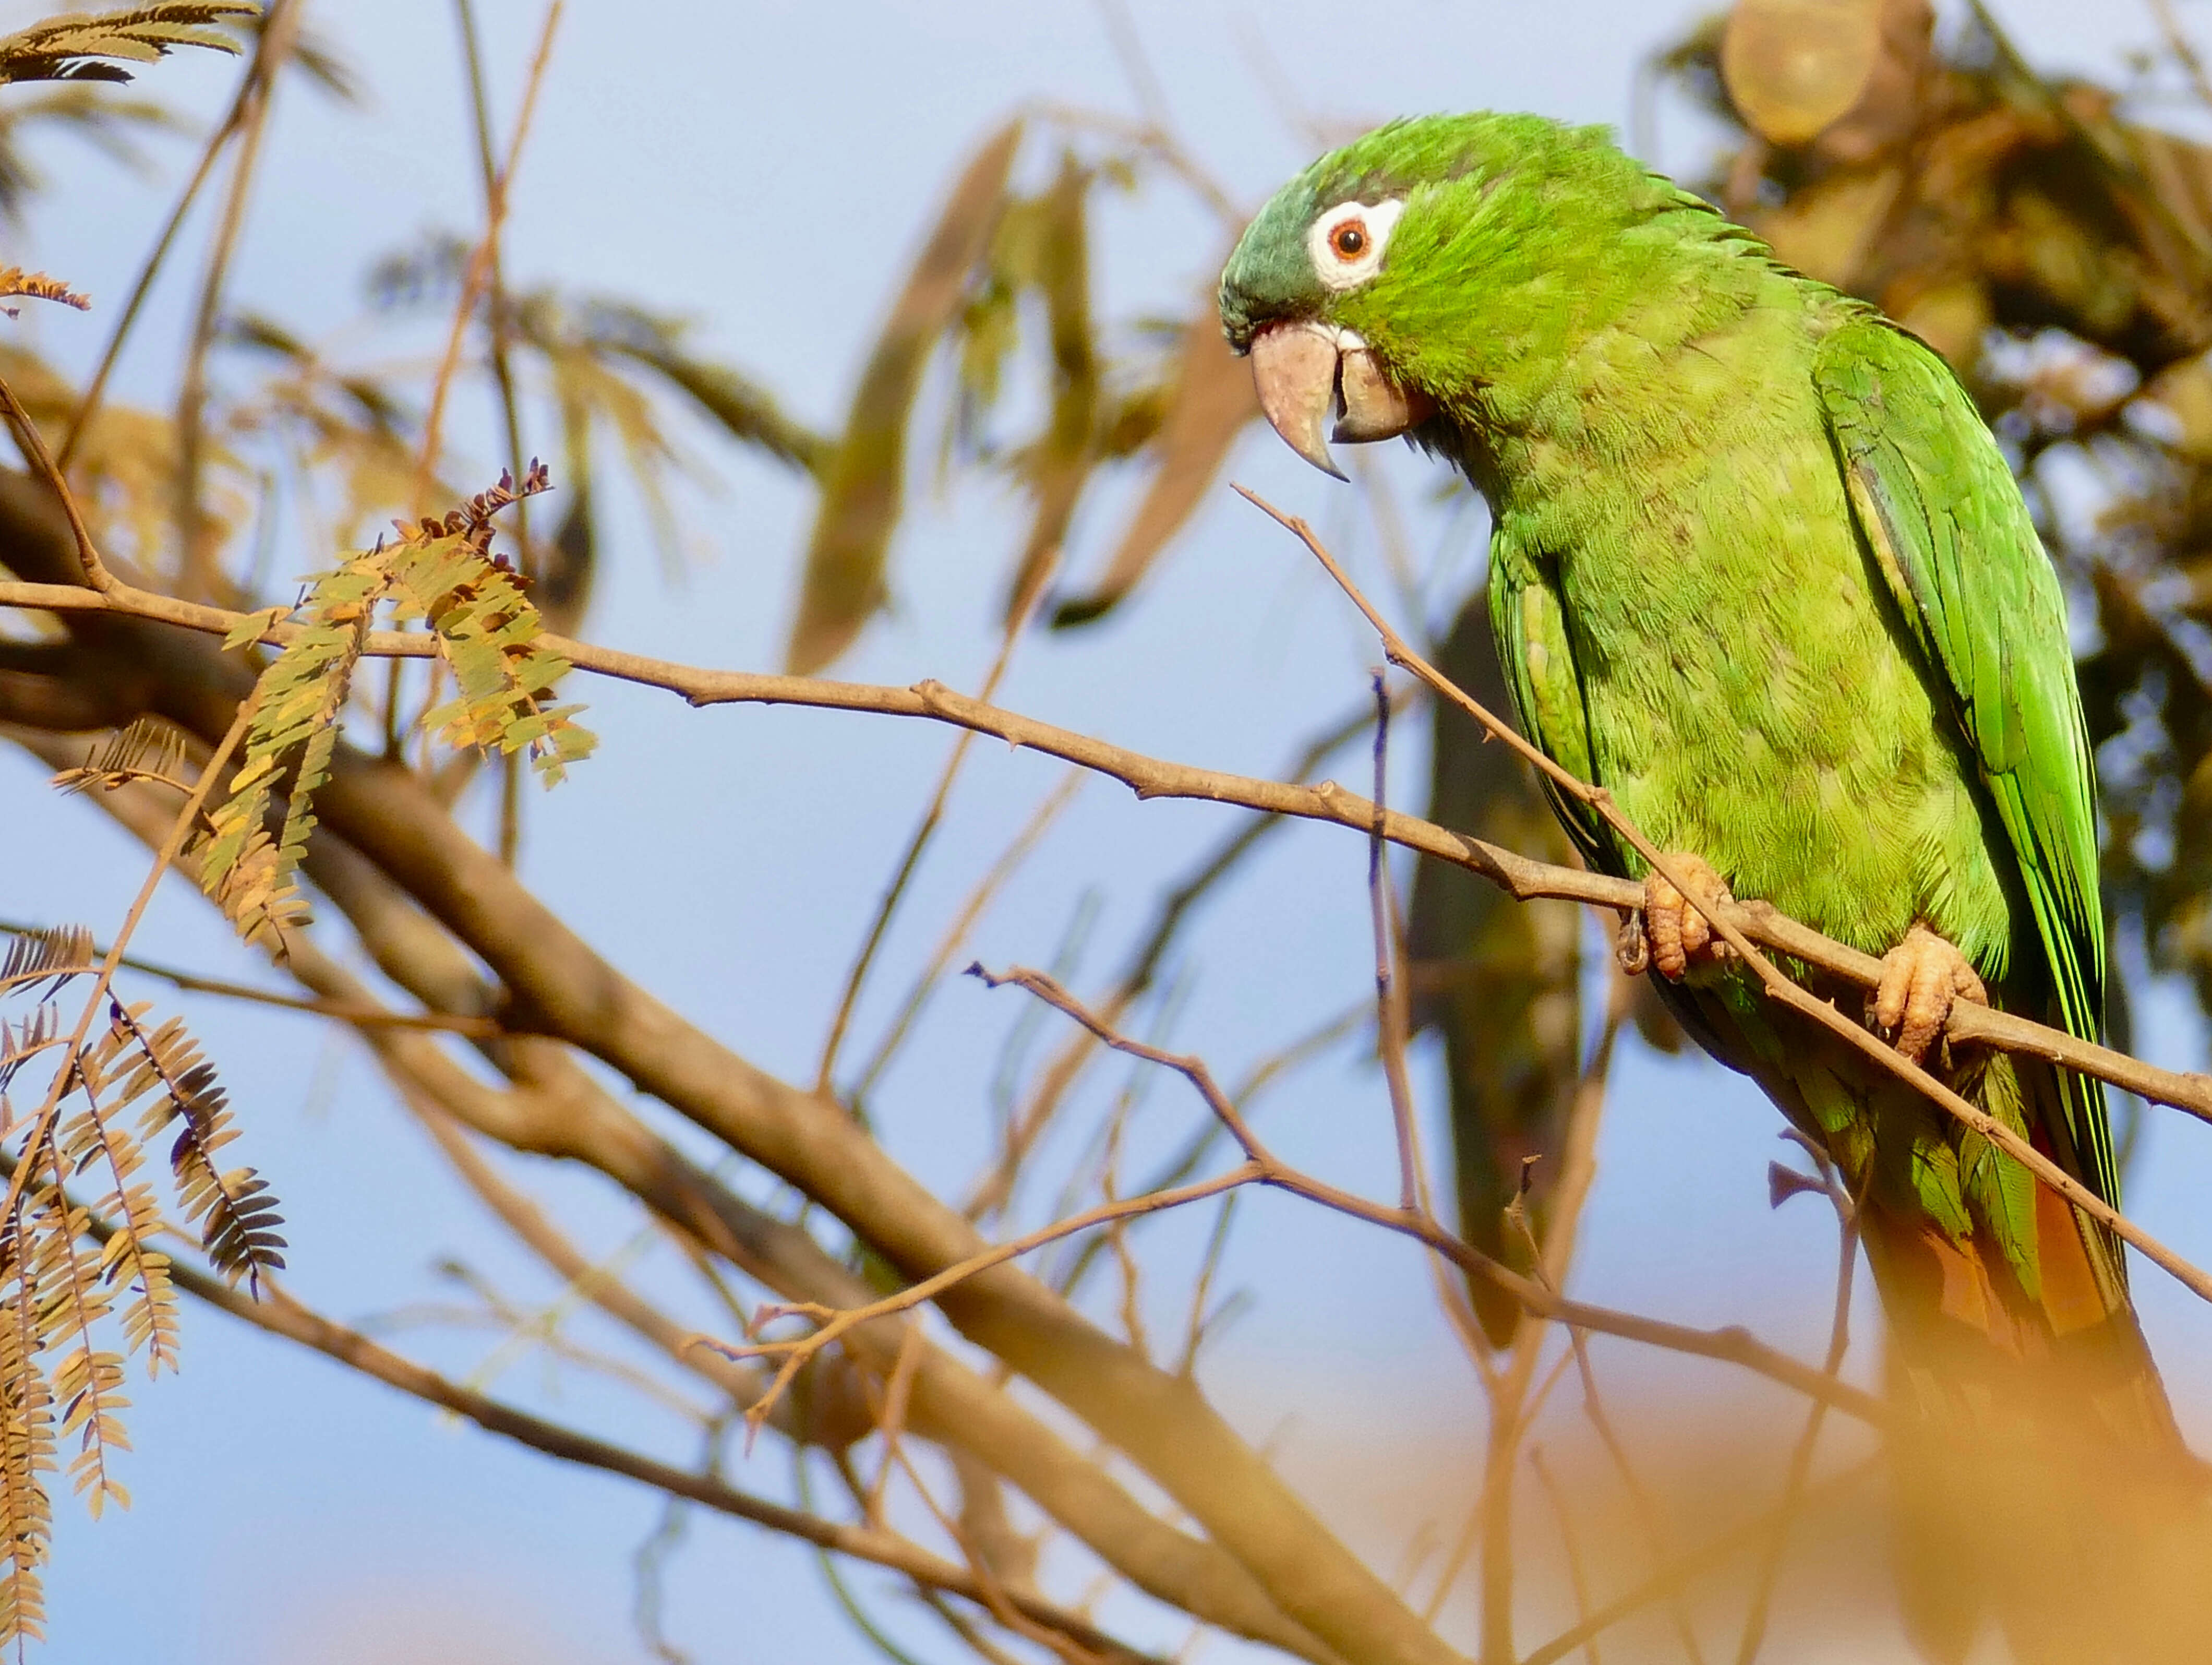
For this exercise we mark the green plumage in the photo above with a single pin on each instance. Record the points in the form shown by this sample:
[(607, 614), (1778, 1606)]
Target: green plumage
[(1760, 570)]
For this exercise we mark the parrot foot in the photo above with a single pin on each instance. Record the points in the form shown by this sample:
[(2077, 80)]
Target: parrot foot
[(1672, 934), (1922, 978)]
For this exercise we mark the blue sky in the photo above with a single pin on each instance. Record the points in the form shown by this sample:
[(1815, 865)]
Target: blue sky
[(767, 168)]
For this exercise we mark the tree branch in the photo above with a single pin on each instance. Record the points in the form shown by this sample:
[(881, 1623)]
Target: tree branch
[(278, 1314), (557, 1110), (1150, 777), (558, 986), (1733, 1344)]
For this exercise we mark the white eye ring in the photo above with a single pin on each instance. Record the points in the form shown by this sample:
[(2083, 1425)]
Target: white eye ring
[(1346, 243)]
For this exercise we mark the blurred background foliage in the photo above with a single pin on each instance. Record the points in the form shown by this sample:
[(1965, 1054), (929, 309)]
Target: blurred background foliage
[(2052, 238), (2055, 242)]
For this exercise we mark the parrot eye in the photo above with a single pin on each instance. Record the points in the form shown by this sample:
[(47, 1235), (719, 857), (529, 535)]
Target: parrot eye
[(1346, 243)]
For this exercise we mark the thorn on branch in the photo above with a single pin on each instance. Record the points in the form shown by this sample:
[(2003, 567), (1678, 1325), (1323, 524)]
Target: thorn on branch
[(1784, 1182)]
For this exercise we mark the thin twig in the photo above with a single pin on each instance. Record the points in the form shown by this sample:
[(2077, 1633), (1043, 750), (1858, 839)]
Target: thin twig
[(278, 33), (1521, 876), (497, 1314), (1017, 619), (1389, 1013), (1671, 1578), (34, 448), (480, 261), (502, 368), (979, 900), (1576, 1577), (494, 192), (225, 130), (2184, 52), (1267, 1072), (1550, 1259), (528, 1222), (1512, 1411), (835, 1323), (1801, 1456), (1508, 1391)]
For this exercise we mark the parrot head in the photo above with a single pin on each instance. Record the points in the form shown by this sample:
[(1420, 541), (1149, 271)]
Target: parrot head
[(1422, 270)]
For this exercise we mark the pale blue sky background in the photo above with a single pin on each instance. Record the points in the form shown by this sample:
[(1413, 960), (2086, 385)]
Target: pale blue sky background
[(767, 167)]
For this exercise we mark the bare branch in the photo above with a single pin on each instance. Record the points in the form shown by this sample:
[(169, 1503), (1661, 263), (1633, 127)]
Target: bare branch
[(557, 1110), (278, 1314), (1149, 777), (1733, 1344)]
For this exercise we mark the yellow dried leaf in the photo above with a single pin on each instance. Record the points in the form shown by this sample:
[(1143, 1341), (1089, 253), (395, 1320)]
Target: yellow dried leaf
[(14, 280), (1828, 231), (1213, 400), (860, 486), (1795, 66), (2184, 393)]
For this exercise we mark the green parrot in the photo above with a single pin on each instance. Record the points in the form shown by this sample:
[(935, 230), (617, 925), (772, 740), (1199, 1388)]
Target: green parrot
[(1759, 570)]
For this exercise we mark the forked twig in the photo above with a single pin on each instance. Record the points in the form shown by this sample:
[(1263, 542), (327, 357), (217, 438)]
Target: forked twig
[(1522, 877), (1576, 1577), (1801, 1455), (1733, 1344)]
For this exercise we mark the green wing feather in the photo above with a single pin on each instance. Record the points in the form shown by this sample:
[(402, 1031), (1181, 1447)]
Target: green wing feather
[(1531, 632), (1940, 511)]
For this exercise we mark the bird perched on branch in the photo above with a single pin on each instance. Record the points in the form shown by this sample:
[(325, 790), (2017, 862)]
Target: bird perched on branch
[(1759, 570)]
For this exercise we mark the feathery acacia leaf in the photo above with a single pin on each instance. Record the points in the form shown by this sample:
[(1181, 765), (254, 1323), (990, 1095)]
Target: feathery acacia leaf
[(1211, 403), (21, 1042), (39, 961), (236, 1215), (151, 748), (71, 47), (486, 630)]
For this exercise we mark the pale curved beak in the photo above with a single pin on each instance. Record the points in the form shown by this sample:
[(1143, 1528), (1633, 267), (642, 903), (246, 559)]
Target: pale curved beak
[(1303, 371)]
